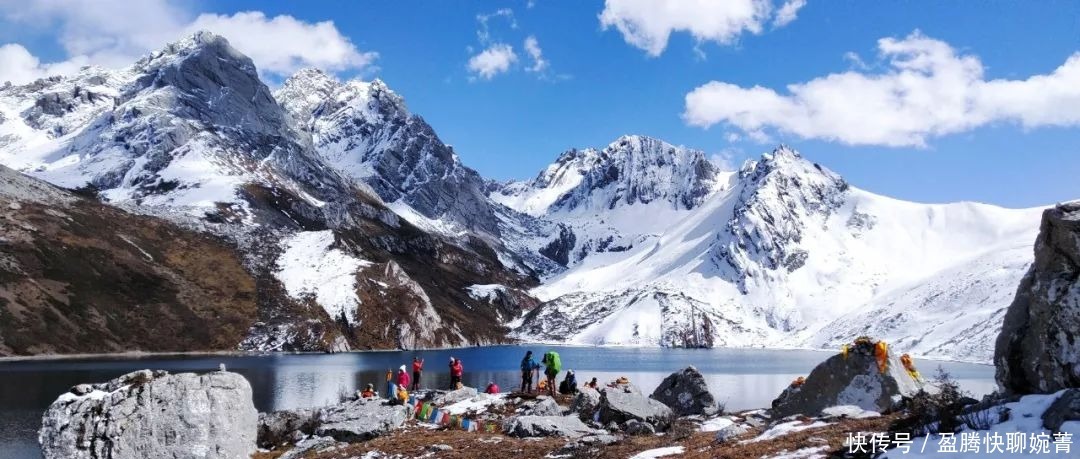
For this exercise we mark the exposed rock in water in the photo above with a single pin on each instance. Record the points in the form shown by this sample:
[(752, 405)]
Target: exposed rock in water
[(148, 415), (545, 426), (360, 420), (1038, 350), (687, 393), (854, 380), (620, 405)]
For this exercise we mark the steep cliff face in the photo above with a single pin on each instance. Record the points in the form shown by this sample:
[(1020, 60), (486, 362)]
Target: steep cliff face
[(1038, 349), (190, 134)]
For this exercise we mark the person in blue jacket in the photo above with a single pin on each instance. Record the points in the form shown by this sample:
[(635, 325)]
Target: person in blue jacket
[(528, 368)]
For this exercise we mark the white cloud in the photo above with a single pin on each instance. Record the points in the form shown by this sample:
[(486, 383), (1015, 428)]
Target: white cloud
[(17, 65), (484, 32), (492, 61), (788, 12), (927, 90), (647, 24), (283, 44), (114, 33), (532, 47)]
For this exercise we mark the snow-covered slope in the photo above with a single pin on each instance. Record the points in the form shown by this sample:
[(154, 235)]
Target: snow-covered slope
[(190, 133), (789, 254)]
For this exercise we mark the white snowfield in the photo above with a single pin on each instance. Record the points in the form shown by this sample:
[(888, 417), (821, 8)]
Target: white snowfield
[(310, 267), (786, 254)]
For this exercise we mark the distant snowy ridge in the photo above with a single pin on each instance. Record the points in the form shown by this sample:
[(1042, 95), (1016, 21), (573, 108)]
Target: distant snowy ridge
[(788, 254)]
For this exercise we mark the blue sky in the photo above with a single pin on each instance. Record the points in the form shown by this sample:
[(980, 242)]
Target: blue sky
[(599, 83)]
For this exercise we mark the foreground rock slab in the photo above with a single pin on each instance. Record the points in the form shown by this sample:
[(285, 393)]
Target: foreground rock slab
[(687, 393), (855, 380), (546, 426), (619, 405), (360, 420), (151, 415), (1038, 350)]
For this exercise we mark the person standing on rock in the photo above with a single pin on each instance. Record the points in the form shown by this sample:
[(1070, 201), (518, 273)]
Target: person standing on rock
[(391, 389), (417, 370), (528, 368), (456, 370)]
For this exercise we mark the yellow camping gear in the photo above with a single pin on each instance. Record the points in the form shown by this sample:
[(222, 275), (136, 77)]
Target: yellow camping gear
[(844, 351), (909, 366), (881, 352)]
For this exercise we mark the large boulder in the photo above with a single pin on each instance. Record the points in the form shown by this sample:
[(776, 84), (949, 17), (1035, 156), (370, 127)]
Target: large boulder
[(150, 415), (545, 406), (687, 393), (286, 426), (620, 405), (585, 403), (546, 426), (1038, 350), (360, 420), (852, 380)]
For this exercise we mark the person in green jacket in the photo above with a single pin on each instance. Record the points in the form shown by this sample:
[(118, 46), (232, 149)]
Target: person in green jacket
[(552, 365)]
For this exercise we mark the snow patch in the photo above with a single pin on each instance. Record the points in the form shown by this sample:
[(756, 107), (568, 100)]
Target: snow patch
[(659, 452), (311, 267)]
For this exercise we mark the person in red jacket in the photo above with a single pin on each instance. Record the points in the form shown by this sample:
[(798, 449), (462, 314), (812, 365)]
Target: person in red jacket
[(417, 369), (402, 377), (456, 370), (492, 388)]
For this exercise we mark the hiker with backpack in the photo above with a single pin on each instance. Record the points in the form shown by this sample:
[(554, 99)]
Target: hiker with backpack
[(552, 366), (528, 368)]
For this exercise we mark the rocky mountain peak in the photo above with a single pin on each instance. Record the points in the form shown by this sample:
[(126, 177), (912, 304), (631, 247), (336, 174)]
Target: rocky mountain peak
[(779, 195), (302, 92), (633, 169)]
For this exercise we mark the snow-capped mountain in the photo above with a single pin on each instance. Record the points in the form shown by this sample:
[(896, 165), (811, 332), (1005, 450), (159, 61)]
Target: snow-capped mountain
[(361, 229), (364, 130), (191, 134), (787, 254), (616, 198)]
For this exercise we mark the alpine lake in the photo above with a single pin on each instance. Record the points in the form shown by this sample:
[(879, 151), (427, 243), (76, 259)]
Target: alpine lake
[(740, 378)]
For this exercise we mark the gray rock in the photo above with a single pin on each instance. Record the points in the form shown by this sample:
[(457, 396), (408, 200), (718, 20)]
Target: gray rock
[(1066, 408), (1037, 349), (546, 426), (149, 415), (440, 448), (585, 403), (545, 407), (635, 427), (305, 446), (855, 380), (620, 405), (730, 432), (687, 393), (360, 420), (454, 396), (286, 426)]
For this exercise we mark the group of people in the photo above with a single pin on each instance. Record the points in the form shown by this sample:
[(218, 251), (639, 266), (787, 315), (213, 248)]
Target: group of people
[(550, 365)]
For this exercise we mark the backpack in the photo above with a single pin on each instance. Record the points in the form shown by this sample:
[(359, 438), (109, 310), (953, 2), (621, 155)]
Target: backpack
[(553, 361)]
